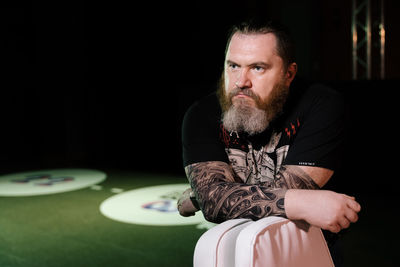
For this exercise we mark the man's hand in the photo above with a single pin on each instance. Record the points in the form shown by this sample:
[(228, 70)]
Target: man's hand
[(325, 209), (185, 205)]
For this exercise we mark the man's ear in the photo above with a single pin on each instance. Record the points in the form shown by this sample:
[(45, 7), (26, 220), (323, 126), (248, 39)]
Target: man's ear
[(291, 73)]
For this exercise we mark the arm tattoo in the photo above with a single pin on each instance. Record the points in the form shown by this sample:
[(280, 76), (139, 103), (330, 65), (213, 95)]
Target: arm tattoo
[(222, 198), (293, 177)]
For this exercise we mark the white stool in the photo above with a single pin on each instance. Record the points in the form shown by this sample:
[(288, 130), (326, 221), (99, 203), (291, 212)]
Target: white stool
[(216, 247), (269, 242)]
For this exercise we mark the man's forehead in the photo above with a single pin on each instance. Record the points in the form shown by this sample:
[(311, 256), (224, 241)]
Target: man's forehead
[(250, 43), (253, 34)]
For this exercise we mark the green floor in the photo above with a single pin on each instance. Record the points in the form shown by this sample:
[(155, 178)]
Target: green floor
[(68, 229)]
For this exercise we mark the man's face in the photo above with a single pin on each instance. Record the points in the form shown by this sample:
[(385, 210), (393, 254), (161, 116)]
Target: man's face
[(255, 82), (252, 63)]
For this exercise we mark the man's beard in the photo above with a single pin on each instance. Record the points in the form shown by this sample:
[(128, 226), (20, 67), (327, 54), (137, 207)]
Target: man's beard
[(243, 117)]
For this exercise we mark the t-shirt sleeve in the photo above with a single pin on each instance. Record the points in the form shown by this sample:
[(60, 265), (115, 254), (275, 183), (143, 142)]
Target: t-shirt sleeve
[(200, 134), (319, 141)]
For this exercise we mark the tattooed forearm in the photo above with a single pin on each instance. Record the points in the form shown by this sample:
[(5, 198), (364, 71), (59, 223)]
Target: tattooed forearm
[(222, 198), (293, 177)]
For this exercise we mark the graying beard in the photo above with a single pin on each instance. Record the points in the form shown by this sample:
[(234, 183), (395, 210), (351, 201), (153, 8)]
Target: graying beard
[(242, 118)]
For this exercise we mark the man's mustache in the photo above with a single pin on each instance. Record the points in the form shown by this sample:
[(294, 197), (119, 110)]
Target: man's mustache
[(247, 92)]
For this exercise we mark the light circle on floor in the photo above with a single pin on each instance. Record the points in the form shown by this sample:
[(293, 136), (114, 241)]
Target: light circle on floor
[(154, 205), (43, 182)]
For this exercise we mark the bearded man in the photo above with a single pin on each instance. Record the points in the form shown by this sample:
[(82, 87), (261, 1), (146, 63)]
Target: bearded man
[(262, 145)]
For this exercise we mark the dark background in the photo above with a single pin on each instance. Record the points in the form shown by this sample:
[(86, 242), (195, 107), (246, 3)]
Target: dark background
[(105, 85)]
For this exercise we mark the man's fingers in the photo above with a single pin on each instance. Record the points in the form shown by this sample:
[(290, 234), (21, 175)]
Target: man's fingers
[(344, 223), (354, 205), (334, 228), (351, 216), (184, 211), (185, 205), (187, 214), (187, 192)]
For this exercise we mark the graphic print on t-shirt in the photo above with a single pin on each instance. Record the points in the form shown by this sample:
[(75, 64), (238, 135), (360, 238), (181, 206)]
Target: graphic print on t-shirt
[(252, 165)]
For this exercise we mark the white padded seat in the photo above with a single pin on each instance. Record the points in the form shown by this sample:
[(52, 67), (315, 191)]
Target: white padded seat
[(216, 247), (279, 242), (269, 242)]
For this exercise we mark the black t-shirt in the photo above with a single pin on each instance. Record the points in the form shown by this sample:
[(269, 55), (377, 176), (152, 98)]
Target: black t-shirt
[(308, 132)]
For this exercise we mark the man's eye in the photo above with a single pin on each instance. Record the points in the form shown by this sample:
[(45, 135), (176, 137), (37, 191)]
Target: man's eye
[(258, 68), (233, 66)]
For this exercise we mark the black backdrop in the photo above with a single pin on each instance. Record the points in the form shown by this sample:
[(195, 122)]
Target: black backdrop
[(93, 84)]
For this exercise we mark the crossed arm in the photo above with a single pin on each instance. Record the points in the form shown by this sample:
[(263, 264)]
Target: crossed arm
[(292, 194)]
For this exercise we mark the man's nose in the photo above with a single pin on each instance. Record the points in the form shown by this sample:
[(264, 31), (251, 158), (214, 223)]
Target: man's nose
[(243, 81)]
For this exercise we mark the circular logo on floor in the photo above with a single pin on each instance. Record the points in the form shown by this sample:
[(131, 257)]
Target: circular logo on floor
[(155, 205), (45, 182)]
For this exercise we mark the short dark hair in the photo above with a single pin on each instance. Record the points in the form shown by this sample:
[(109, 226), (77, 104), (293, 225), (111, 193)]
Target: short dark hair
[(285, 44)]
